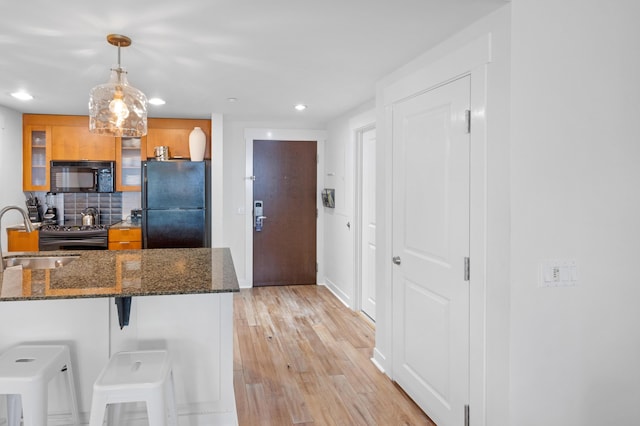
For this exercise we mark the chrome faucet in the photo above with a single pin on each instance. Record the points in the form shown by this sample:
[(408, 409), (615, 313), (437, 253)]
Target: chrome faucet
[(27, 225)]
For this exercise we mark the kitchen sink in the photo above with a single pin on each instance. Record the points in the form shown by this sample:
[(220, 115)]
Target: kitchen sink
[(39, 262)]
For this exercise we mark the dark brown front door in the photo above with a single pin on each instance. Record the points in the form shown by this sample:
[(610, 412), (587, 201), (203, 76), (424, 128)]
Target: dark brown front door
[(284, 251)]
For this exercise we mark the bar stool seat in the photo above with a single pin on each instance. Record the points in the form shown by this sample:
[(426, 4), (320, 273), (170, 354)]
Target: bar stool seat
[(136, 377), (25, 373)]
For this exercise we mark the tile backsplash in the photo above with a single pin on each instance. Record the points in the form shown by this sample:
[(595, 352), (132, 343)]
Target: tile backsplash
[(109, 205), (130, 200), (113, 207)]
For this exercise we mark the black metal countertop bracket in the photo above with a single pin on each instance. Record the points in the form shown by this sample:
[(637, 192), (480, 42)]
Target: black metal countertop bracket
[(124, 310)]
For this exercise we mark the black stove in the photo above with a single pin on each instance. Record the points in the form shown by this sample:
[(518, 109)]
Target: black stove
[(73, 237)]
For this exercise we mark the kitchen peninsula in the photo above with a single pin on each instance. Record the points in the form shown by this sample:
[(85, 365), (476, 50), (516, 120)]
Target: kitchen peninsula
[(181, 300)]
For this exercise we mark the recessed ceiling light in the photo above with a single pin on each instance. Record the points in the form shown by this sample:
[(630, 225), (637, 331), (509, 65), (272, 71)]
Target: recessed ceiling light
[(157, 101), (300, 107), (232, 99), (23, 96)]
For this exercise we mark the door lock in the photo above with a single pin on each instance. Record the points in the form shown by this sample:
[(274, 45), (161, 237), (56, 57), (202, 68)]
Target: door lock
[(258, 215), (396, 260)]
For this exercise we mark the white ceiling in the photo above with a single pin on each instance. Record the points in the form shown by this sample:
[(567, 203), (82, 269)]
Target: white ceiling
[(269, 54)]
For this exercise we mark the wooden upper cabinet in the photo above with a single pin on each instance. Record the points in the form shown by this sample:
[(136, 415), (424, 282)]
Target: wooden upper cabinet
[(129, 154), (58, 137), (36, 154), (67, 138), (72, 140), (174, 133)]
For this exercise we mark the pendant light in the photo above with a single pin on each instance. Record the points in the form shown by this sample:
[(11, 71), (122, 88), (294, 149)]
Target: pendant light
[(116, 108)]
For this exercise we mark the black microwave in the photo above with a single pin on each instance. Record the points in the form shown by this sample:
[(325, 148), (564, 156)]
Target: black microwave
[(82, 176)]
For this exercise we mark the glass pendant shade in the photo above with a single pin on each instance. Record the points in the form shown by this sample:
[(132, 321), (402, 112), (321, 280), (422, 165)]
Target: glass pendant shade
[(116, 108)]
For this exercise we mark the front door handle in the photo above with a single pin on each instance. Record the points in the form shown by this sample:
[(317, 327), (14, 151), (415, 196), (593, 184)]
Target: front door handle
[(259, 222), (396, 260)]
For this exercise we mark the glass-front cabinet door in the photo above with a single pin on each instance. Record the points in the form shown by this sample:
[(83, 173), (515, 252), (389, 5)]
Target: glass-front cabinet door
[(130, 152), (36, 158)]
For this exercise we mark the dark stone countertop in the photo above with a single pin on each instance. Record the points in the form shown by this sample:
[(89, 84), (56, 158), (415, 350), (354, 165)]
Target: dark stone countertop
[(20, 226), (125, 225), (114, 273)]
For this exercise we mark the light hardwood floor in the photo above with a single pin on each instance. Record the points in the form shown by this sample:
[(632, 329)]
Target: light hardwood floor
[(302, 358)]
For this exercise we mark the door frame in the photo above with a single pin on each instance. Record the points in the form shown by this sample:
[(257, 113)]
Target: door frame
[(357, 237), (251, 134), (471, 59)]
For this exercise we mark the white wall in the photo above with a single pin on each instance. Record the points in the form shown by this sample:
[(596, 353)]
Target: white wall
[(490, 216), (340, 173), (235, 209), (11, 170), (575, 351), (217, 180)]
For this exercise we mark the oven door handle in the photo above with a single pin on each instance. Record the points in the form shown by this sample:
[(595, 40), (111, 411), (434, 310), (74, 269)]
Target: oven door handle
[(55, 244)]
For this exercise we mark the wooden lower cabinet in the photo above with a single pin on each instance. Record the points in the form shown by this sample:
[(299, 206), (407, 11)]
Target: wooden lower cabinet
[(21, 240), (125, 239)]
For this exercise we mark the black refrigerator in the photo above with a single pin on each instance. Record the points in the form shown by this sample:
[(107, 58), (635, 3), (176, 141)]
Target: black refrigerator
[(175, 204)]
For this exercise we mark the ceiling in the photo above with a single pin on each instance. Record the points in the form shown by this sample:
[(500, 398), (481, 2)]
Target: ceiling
[(195, 54)]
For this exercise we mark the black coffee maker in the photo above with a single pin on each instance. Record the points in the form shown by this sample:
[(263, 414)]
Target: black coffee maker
[(33, 209)]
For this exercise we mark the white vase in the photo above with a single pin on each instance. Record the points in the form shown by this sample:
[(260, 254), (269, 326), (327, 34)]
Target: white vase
[(197, 144)]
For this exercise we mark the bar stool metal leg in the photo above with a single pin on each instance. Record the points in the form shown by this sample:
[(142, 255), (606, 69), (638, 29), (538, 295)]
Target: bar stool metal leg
[(75, 414)]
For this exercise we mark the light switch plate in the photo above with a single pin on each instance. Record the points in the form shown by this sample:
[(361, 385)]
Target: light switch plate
[(558, 273)]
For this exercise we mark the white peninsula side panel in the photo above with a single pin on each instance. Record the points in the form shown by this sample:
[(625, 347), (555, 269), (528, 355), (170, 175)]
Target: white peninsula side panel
[(197, 329)]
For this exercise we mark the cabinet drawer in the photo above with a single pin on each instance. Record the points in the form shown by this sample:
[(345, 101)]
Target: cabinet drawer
[(125, 245), (21, 240), (125, 235)]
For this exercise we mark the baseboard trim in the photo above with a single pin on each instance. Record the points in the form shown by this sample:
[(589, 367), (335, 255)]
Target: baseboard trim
[(379, 361), (339, 294)]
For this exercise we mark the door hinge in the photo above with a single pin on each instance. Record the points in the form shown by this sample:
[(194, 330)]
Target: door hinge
[(466, 415), (316, 266), (467, 117), (467, 269), (316, 212)]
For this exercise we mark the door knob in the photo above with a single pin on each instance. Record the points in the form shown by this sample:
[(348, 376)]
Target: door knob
[(396, 260)]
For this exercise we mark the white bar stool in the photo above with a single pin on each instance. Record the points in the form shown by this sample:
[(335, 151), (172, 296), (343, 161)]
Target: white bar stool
[(25, 372), (134, 377)]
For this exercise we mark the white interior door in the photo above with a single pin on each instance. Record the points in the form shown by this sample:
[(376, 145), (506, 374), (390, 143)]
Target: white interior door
[(368, 231), (430, 244)]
